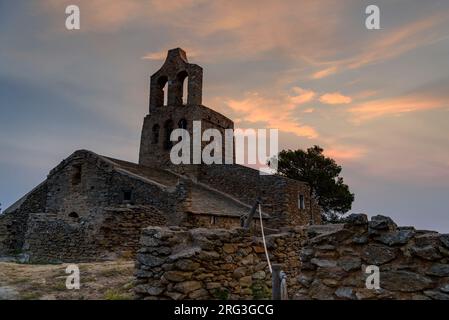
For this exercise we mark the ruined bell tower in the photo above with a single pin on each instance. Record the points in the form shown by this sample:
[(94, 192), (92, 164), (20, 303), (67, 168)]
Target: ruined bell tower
[(164, 117)]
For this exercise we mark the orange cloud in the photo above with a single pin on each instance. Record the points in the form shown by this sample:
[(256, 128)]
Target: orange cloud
[(345, 153), (335, 98), (324, 73), (395, 106), (390, 45), (275, 113)]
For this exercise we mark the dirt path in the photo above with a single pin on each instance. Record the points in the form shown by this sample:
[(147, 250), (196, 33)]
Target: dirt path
[(100, 280)]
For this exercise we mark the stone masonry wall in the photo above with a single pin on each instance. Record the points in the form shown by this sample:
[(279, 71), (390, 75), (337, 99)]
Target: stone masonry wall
[(177, 263), (279, 195), (13, 224), (321, 262), (413, 264), (116, 235)]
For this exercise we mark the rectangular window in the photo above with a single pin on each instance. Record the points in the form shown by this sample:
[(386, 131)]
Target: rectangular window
[(301, 202), (76, 176), (213, 220), (127, 195)]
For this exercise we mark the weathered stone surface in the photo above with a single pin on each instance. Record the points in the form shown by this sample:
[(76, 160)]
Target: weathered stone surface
[(444, 238), (259, 275), (306, 254), (427, 252), (350, 263), (397, 237), (445, 288), (380, 222), (240, 272), (378, 254), (246, 281), (404, 281), (177, 276), (186, 265), (439, 270), (199, 294), (324, 270), (360, 239), (436, 295), (150, 260), (323, 263), (8, 293), (320, 291), (175, 295), (335, 236), (187, 286), (305, 280), (230, 248), (155, 291), (357, 219), (345, 293)]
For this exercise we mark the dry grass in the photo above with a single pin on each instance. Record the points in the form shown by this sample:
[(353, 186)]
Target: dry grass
[(100, 280)]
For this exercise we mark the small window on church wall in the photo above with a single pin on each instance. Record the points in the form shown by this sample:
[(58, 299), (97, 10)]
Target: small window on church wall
[(301, 202), (183, 82), (73, 215), (155, 137), (168, 128), (213, 220), (127, 196), (76, 177)]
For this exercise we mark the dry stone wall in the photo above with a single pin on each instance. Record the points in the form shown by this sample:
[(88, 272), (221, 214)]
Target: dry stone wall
[(321, 262), (178, 263), (116, 235)]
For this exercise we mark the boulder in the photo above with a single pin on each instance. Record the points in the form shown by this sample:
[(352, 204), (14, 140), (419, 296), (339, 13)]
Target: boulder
[(380, 222)]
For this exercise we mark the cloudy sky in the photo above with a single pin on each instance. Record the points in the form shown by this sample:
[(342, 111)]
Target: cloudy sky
[(375, 100)]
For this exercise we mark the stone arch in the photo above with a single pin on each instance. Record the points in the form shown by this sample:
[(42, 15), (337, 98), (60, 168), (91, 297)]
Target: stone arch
[(163, 84), (176, 90), (158, 90), (155, 132), (168, 128)]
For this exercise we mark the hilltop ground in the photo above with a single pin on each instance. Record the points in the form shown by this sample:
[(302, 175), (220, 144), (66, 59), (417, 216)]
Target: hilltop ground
[(101, 280)]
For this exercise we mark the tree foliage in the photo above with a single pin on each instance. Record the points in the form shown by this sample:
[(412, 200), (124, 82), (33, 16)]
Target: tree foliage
[(322, 174)]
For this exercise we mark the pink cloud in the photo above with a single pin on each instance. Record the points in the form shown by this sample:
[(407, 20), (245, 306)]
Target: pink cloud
[(335, 98)]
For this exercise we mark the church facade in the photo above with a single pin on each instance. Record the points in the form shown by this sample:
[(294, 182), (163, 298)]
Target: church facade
[(93, 207)]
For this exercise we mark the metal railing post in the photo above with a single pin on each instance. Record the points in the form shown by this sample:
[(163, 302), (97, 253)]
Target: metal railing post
[(276, 282)]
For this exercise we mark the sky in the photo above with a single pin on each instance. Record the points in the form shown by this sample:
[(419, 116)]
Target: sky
[(377, 101)]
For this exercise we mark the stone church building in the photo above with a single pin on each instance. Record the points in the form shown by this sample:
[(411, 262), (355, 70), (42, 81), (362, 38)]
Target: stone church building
[(93, 207)]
